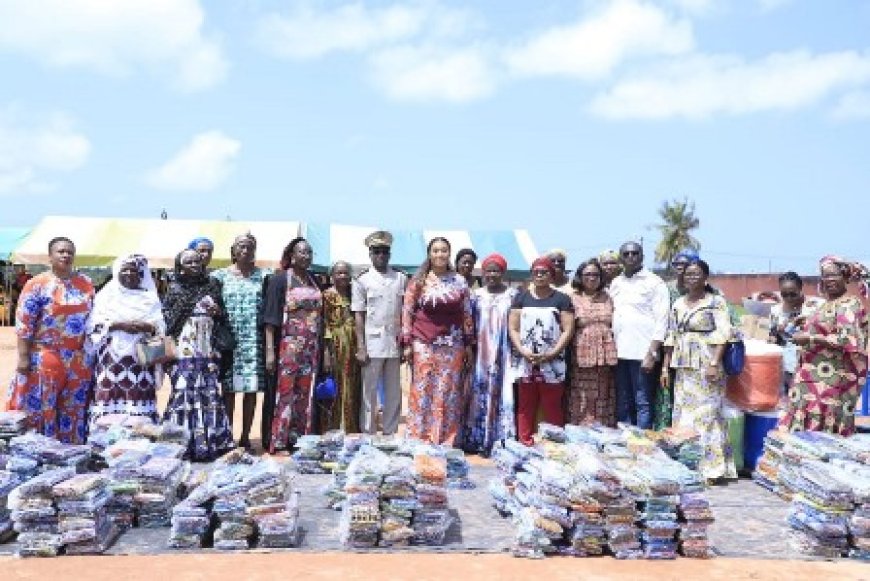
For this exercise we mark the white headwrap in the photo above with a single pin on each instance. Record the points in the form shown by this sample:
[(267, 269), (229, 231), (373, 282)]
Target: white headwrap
[(115, 303)]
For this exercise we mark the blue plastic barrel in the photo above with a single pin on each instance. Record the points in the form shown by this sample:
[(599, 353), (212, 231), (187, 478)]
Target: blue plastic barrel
[(756, 426)]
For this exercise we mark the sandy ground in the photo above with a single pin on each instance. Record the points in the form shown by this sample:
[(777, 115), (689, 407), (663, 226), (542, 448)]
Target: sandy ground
[(258, 566), (344, 566)]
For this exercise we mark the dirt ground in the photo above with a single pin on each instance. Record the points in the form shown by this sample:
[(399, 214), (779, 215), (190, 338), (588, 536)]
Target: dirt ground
[(331, 565)]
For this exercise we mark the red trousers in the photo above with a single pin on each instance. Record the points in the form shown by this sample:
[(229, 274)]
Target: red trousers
[(530, 394)]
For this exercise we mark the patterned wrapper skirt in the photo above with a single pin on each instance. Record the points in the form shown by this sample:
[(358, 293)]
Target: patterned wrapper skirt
[(195, 404)]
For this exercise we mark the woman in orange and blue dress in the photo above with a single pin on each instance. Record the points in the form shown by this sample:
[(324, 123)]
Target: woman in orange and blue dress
[(437, 334), (293, 316), (53, 377), (833, 358)]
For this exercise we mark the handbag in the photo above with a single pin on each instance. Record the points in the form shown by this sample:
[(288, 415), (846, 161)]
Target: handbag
[(222, 338), (734, 358), (326, 389), (155, 350)]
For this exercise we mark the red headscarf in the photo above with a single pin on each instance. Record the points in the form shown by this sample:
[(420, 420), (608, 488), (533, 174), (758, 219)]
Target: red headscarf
[(852, 271), (494, 258), (544, 262)]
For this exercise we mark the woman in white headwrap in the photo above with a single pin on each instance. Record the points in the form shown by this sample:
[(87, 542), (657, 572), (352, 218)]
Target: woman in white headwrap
[(126, 310)]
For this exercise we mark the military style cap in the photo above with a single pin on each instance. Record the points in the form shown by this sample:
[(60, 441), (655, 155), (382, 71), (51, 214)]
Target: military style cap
[(379, 238)]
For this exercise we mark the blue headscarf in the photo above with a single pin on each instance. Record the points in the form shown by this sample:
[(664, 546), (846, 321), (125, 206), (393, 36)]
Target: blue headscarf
[(689, 255), (196, 242)]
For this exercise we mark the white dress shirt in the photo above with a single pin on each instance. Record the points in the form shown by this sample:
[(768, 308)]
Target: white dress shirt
[(640, 312), (379, 296)]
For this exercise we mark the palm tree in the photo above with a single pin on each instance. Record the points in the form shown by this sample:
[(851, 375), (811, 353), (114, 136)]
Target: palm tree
[(678, 221)]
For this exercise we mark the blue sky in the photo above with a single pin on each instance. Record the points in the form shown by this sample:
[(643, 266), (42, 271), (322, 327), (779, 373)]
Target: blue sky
[(574, 120)]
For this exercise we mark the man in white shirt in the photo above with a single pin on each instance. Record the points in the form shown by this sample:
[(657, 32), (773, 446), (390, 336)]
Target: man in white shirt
[(376, 300), (641, 302)]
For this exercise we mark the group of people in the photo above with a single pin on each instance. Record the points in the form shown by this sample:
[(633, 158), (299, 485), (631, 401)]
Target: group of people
[(488, 360)]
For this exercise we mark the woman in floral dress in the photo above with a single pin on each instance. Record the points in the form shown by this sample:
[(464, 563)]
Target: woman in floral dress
[(592, 390), (833, 358), (698, 328), (53, 377), (437, 334), (293, 316), (490, 415)]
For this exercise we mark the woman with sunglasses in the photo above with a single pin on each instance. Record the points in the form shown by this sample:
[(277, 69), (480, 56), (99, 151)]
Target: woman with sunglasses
[(698, 328), (833, 356), (540, 326), (787, 317)]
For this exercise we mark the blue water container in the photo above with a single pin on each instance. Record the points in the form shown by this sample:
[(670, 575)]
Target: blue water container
[(756, 426)]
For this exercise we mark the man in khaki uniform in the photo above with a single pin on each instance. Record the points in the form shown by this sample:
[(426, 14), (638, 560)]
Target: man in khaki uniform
[(376, 300)]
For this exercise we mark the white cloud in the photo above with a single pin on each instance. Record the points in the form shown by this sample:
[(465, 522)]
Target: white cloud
[(308, 32), (434, 74), (701, 86), (594, 46), (202, 165), (855, 105), (112, 37), (29, 150)]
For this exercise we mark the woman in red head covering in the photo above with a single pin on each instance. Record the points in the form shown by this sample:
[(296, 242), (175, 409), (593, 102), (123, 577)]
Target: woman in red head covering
[(541, 324), (833, 358), (490, 414)]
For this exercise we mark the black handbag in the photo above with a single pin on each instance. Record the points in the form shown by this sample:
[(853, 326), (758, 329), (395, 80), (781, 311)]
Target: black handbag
[(222, 337)]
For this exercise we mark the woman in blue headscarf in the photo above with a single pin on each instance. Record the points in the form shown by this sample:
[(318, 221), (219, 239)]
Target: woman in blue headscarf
[(205, 248)]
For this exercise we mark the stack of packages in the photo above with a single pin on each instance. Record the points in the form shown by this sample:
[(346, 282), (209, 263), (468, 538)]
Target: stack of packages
[(509, 460), (308, 456), (83, 523), (457, 470), (766, 472), (35, 515), (820, 510), (588, 535), (8, 481), (331, 447), (273, 503), (398, 502), (235, 528), (582, 497), (857, 476), (190, 524), (658, 506), (695, 519), (253, 495), (49, 453), (123, 473), (159, 480), (361, 514), (12, 423), (334, 492), (432, 517)]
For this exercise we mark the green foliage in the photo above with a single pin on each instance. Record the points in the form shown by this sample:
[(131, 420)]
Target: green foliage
[(678, 220)]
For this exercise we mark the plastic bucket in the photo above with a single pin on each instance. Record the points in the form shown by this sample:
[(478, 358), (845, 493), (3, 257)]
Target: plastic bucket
[(756, 426)]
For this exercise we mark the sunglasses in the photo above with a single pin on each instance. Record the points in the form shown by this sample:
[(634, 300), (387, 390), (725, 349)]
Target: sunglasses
[(380, 251), (790, 295), (679, 264), (631, 253)]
